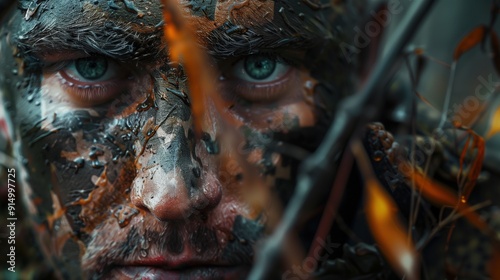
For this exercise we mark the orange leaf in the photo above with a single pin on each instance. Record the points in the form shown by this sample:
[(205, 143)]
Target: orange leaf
[(494, 124), (381, 214), (183, 46), (431, 190), (391, 237), (441, 195), (469, 41)]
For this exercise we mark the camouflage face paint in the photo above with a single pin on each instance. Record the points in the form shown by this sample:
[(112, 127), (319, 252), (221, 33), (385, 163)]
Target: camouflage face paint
[(113, 174)]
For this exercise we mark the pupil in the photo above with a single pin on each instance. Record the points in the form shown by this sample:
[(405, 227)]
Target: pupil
[(260, 67), (91, 68)]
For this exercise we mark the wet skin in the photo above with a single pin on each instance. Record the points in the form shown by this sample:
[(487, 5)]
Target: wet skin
[(116, 181)]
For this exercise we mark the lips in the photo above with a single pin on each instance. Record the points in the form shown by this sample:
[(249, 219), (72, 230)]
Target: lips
[(189, 272), (162, 268)]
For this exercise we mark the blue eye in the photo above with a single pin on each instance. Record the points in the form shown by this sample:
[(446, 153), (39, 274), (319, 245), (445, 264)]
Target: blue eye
[(260, 68), (93, 80), (91, 68)]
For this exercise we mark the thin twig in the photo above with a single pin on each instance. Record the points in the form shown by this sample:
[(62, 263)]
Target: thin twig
[(447, 100), (353, 113), (454, 215)]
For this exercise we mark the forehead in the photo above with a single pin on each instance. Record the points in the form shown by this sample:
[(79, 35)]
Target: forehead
[(145, 17)]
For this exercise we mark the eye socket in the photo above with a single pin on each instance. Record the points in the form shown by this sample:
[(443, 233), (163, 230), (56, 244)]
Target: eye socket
[(259, 78), (92, 80)]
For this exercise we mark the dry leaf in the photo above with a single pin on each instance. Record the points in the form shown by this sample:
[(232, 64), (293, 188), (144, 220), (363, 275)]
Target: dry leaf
[(494, 124), (391, 237), (440, 195), (382, 217), (434, 192), (469, 41)]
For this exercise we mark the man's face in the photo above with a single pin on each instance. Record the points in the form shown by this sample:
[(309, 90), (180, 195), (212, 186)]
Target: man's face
[(117, 180)]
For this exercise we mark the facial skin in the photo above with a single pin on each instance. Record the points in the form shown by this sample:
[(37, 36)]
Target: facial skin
[(113, 175)]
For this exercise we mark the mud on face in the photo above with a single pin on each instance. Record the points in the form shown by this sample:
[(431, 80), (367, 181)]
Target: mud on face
[(114, 173)]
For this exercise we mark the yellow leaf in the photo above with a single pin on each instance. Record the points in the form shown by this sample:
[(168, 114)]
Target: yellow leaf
[(494, 124), (390, 235), (381, 213)]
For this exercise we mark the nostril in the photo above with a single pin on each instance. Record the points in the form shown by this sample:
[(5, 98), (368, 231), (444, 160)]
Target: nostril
[(209, 194), (196, 172)]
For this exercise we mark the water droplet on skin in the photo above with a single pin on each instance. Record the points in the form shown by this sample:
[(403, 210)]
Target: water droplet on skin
[(79, 163), (378, 156), (96, 164), (95, 152), (309, 84)]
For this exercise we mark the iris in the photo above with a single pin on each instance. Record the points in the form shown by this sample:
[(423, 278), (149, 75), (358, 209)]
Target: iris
[(91, 68), (260, 67)]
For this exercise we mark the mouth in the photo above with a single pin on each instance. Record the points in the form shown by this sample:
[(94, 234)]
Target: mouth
[(158, 268), (195, 273)]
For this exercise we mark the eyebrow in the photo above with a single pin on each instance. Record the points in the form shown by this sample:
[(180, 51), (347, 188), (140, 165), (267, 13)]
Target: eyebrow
[(291, 33), (102, 36), (122, 43)]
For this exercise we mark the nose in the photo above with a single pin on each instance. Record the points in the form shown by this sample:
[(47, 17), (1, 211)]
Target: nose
[(170, 183)]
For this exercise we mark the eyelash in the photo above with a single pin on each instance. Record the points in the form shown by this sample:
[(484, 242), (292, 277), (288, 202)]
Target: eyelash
[(88, 93), (238, 90), (263, 92), (85, 93)]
